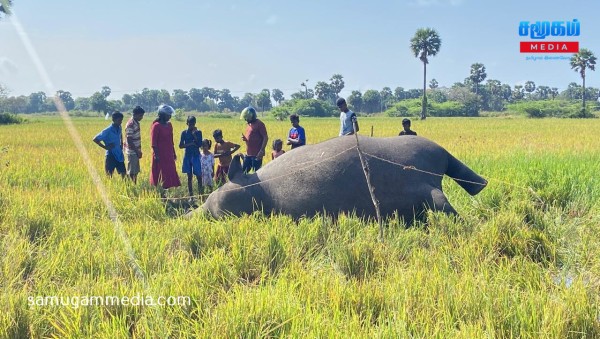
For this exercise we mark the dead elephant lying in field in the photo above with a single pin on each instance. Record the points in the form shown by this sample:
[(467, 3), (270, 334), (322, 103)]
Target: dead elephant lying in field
[(328, 178)]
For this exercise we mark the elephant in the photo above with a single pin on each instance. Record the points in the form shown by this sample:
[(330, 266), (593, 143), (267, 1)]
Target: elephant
[(328, 178)]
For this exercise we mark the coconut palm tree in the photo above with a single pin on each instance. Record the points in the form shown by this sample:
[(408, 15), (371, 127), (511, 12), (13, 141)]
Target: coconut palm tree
[(477, 76), (424, 44), (581, 61), (5, 7)]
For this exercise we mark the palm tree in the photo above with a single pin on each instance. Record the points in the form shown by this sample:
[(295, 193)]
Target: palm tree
[(478, 74), (425, 43), (529, 88), (579, 63), (304, 84), (5, 7)]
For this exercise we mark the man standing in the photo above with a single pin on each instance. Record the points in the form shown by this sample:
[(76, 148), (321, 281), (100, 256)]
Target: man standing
[(191, 141), (113, 144), (348, 121), (406, 126), (133, 143), (296, 136), (256, 139)]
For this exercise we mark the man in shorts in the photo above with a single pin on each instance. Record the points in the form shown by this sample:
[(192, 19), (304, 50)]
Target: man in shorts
[(191, 141), (113, 144)]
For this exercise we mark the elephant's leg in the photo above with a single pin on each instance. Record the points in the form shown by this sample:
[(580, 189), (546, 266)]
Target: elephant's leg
[(440, 202)]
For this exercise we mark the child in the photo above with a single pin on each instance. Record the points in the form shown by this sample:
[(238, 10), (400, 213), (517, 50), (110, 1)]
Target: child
[(208, 163), (113, 144), (191, 139), (223, 151), (277, 149)]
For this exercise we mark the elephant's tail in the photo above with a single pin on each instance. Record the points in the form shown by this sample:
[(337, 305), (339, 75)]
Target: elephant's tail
[(472, 182)]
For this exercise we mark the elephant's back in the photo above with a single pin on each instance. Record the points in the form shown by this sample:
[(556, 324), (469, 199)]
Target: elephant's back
[(329, 175), (405, 148)]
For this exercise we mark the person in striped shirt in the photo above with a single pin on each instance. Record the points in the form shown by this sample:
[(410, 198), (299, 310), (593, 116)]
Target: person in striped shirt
[(133, 143)]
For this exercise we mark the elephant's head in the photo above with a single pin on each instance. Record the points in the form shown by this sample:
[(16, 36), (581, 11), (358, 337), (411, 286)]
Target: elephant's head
[(235, 197)]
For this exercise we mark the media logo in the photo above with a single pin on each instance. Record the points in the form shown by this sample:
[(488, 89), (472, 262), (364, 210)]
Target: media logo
[(542, 29)]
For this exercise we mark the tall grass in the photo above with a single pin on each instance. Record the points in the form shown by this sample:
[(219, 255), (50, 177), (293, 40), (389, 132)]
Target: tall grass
[(520, 261)]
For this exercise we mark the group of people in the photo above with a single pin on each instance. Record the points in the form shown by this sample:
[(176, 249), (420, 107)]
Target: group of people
[(198, 160), (256, 139)]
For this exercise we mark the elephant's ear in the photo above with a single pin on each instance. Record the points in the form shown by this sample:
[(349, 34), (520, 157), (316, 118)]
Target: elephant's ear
[(235, 168)]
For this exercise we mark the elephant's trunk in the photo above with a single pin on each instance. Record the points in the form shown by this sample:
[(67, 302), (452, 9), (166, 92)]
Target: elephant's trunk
[(470, 181)]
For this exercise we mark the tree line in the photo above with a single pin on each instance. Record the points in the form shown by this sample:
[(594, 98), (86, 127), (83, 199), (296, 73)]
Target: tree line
[(466, 98), (204, 99), (475, 91)]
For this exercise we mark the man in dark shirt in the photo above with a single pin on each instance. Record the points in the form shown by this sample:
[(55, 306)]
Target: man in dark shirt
[(406, 126), (191, 139)]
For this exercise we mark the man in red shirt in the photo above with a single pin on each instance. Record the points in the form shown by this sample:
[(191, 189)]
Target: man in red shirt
[(256, 139)]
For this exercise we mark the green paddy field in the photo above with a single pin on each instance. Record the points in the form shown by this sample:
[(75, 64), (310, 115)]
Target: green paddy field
[(522, 261)]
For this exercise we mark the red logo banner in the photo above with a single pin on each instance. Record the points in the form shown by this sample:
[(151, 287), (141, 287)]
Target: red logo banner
[(549, 46)]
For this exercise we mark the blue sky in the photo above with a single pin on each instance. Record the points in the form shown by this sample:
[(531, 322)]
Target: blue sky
[(251, 45)]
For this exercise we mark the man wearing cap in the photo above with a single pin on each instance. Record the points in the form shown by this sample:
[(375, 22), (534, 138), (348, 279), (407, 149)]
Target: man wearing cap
[(163, 150), (133, 143), (407, 130), (256, 139), (348, 120)]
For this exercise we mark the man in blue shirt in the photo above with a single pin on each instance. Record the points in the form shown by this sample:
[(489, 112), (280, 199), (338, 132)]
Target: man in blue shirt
[(191, 140), (296, 136), (113, 144), (348, 121)]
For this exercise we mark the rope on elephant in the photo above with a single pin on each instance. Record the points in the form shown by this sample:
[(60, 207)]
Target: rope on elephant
[(367, 172), (413, 168), (308, 164), (187, 197)]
